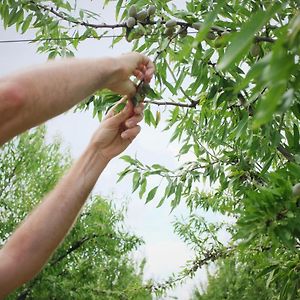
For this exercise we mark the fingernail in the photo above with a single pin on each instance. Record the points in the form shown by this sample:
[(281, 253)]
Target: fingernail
[(129, 123)]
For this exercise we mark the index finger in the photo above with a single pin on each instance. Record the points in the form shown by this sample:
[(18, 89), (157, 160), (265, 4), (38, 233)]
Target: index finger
[(150, 68)]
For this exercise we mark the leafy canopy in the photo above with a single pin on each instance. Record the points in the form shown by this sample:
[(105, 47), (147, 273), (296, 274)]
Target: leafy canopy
[(228, 74)]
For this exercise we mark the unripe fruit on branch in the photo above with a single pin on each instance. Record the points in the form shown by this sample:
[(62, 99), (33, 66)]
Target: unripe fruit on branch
[(130, 22), (183, 32), (219, 42), (140, 31), (142, 15), (151, 10), (255, 50), (169, 31), (171, 23), (210, 36), (197, 25), (132, 11), (296, 190)]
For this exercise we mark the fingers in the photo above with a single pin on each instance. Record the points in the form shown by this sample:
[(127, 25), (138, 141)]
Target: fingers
[(139, 109), (143, 66), (123, 115), (131, 133), (113, 110), (130, 123), (145, 69)]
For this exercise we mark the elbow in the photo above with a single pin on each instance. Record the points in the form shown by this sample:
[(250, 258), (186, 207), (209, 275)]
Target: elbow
[(12, 102), (12, 97)]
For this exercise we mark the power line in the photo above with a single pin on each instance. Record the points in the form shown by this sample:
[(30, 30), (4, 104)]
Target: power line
[(64, 39), (57, 39)]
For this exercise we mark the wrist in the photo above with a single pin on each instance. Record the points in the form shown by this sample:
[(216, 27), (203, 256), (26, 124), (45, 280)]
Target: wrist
[(96, 147), (114, 69)]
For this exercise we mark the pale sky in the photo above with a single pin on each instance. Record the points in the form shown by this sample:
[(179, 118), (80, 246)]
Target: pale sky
[(164, 251)]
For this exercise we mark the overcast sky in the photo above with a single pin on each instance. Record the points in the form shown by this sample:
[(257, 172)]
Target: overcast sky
[(164, 251)]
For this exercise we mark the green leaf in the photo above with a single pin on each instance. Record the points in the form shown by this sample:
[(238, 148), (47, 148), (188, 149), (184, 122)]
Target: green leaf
[(242, 40), (241, 127), (209, 19), (296, 138), (268, 104), (135, 181), (120, 107), (143, 185), (128, 159), (26, 23), (267, 165), (118, 8), (151, 194)]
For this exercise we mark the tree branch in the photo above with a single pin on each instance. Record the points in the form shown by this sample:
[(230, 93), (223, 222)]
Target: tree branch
[(73, 248), (62, 16), (74, 21), (284, 151), (166, 103), (208, 257)]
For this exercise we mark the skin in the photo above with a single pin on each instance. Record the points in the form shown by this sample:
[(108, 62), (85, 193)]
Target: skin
[(34, 96)]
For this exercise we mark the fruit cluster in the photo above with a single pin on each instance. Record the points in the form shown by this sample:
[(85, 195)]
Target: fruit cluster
[(138, 18)]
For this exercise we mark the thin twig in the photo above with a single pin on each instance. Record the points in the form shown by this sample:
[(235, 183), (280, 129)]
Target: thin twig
[(166, 103)]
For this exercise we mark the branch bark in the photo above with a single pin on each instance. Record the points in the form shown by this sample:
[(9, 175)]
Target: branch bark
[(284, 151), (169, 103)]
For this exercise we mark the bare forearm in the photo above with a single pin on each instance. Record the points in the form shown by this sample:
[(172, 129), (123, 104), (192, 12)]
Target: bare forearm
[(38, 236), (52, 88)]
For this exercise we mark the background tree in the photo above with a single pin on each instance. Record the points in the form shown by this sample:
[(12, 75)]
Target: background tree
[(94, 260), (231, 72)]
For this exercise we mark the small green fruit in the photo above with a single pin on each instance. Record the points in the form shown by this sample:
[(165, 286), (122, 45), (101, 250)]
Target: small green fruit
[(296, 190), (219, 42), (211, 36), (183, 33), (169, 31), (255, 50), (140, 31), (142, 15), (197, 25), (132, 11), (171, 23), (130, 22), (151, 10), (129, 35)]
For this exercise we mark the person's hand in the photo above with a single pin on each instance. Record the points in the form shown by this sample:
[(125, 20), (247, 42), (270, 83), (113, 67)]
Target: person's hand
[(131, 64), (118, 130)]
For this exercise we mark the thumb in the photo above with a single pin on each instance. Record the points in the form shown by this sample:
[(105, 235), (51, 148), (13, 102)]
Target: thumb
[(124, 114), (127, 87)]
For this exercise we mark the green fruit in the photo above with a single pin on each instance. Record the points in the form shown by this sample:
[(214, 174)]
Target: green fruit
[(197, 25), (151, 10), (144, 89), (129, 35), (141, 28), (255, 50), (171, 23), (132, 11), (142, 15), (183, 33), (169, 31), (219, 42), (210, 36), (130, 22), (296, 190)]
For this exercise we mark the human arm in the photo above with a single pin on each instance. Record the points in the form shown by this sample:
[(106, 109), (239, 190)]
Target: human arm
[(34, 96), (30, 246)]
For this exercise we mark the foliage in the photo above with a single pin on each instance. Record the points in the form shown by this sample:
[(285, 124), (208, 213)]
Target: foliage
[(231, 72), (234, 281), (94, 260)]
